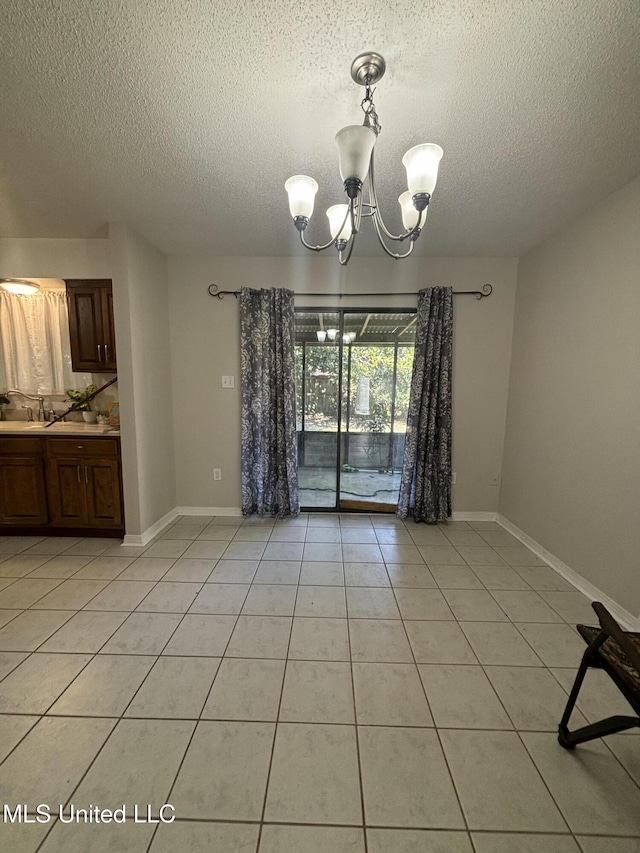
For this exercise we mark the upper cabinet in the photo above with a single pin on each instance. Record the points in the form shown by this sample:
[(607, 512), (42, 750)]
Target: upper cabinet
[(93, 346)]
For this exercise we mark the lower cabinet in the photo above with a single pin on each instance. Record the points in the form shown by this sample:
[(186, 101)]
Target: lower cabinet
[(84, 482), (23, 496), (103, 493), (52, 483)]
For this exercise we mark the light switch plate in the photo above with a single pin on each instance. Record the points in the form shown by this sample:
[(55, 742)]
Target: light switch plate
[(228, 382)]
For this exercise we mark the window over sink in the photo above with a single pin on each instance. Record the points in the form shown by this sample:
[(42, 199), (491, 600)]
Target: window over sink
[(35, 351)]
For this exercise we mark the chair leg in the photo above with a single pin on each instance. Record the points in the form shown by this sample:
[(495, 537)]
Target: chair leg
[(564, 736), (610, 725), (602, 728)]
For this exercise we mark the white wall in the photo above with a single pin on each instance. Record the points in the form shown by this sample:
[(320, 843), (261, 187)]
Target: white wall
[(42, 257), (571, 472), (205, 345), (141, 308)]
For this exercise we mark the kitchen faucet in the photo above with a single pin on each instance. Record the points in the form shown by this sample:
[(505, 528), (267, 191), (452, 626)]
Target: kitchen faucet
[(41, 413)]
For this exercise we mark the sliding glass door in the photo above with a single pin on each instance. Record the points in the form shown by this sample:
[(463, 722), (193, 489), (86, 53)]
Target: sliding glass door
[(318, 408), (353, 373)]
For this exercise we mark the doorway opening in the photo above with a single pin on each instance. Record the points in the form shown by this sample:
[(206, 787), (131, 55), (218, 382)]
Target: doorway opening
[(353, 377)]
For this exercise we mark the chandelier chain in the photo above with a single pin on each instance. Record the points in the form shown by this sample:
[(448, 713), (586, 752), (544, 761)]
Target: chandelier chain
[(369, 108)]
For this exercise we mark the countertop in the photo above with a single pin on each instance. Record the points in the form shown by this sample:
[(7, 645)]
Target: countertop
[(70, 428)]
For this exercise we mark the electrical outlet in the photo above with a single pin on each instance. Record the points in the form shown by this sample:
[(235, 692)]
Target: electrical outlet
[(217, 474), (228, 382), (453, 478), (495, 479)]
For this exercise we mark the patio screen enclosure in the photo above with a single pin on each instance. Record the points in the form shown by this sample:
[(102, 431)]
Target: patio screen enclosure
[(352, 392)]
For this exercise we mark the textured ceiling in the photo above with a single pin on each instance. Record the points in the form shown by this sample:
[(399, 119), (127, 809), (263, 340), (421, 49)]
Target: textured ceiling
[(186, 118)]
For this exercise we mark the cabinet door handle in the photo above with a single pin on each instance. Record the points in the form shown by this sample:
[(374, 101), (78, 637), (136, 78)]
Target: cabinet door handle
[(86, 474), (106, 352), (99, 353), (78, 469)]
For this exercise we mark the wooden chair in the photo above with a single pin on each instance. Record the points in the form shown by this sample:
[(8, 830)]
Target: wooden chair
[(617, 652)]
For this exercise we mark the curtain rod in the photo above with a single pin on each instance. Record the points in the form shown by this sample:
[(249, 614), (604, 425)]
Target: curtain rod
[(486, 290)]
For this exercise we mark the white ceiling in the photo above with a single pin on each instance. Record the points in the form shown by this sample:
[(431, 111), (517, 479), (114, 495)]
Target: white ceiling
[(186, 118)]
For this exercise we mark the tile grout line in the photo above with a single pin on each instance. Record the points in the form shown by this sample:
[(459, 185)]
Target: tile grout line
[(635, 781), (509, 621), (277, 722), (450, 728), (58, 695), (92, 657), (544, 782), (515, 729), (199, 719), (435, 727), (82, 777), (99, 752), (357, 733), (518, 733), (224, 652), (161, 654)]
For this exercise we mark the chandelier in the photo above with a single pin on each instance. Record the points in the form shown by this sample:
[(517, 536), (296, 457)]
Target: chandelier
[(356, 158)]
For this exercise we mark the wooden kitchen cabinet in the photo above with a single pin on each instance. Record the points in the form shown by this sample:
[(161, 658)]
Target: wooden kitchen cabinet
[(66, 492), (91, 328), (84, 482), (23, 498), (70, 485), (104, 504)]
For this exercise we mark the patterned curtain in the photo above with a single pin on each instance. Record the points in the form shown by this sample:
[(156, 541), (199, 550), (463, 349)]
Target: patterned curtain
[(269, 442), (425, 487)]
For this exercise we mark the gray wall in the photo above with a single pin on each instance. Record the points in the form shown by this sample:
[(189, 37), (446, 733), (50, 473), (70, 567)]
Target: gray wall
[(45, 257), (571, 470), (205, 345), (141, 309)]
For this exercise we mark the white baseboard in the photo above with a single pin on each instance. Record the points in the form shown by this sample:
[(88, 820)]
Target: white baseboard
[(626, 619), (233, 511), (473, 516), (151, 532)]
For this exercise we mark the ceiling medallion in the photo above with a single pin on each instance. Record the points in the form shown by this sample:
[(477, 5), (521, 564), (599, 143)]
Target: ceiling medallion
[(356, 159)]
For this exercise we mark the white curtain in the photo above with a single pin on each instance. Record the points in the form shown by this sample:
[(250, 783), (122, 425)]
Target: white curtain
[(35, 353)]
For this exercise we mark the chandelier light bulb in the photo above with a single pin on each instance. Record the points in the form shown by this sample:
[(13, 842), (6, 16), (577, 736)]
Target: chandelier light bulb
[(355, 144), (339, 221), (301, 191), (421, 163), (409, 213), (331, 334), (321, 335)]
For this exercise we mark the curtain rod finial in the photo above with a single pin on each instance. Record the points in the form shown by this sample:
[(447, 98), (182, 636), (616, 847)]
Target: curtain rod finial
[(214, 290)]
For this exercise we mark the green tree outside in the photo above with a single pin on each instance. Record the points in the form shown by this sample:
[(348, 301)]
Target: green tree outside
[(374, 363)]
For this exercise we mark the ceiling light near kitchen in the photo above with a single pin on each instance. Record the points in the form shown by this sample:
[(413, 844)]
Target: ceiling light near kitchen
[(20, 286)]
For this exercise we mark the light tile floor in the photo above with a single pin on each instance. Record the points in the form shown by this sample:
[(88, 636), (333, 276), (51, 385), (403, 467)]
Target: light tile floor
[(331, 684)]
